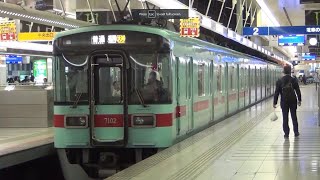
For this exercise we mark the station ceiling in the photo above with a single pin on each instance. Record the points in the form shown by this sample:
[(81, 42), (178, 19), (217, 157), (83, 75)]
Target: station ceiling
[(287, 12)]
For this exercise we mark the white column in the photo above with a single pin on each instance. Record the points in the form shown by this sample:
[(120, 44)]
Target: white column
[(49, 69), (3, 73)]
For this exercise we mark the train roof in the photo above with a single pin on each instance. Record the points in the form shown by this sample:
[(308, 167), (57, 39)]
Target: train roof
[(125, 27)]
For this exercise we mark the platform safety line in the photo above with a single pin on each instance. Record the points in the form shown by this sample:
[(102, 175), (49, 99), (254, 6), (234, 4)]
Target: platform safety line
[(199, 165), (152, 161)]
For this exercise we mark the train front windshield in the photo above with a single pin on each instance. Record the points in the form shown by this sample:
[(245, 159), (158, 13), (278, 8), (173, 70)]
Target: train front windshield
[(149, 75)]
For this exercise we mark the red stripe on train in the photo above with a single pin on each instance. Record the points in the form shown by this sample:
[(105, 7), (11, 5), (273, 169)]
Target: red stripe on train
[(181, 111), (108, 120), (201, 105), (222, 100), (232, 97), (242, 94), (116, 120), (216, 101), (58, 120)]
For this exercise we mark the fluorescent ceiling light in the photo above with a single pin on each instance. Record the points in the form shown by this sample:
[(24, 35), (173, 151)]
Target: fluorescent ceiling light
[(267, 11), (168, 4), (27, 46), (41, 17), (219, 28), (206, 22), (230, 34), (313, 41)]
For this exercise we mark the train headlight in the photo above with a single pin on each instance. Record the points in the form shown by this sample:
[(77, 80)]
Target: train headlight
[(76, 121), (143, 120)]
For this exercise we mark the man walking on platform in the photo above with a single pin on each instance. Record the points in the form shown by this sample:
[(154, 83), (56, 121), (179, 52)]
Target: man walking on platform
[(288, 88)]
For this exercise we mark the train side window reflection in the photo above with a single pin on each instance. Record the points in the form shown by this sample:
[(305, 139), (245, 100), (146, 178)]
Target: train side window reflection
[(71, 79), (150, 76), (201, 86), (231, 78), (219, 73)]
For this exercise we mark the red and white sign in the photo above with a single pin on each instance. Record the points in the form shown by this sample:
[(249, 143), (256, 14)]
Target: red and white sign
[(190, 32), (8, 31), (8, 37), (190, 27)]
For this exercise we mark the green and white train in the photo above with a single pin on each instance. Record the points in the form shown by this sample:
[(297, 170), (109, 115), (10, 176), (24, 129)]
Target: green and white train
[(169, 87)]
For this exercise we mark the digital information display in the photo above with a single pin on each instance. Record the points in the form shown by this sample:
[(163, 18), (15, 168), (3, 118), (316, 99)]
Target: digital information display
[(308, 56), (13, 59), (291, 40), (111, 39)]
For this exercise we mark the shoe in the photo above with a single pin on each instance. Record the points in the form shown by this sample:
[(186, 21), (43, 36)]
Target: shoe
[(296, 135), (286, 136)]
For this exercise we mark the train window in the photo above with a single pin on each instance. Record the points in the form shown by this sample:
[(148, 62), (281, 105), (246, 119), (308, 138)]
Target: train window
[(201, 86), (246, 77), (231, 78), (151, 77), (70, 78), (219, 74), (109, 85), (242, 77), (210, 79)]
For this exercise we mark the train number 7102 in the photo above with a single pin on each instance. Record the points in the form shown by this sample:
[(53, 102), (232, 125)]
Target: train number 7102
[(110, 120)]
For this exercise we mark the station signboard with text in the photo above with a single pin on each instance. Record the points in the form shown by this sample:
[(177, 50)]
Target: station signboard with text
[(8, 31), (190, 27)]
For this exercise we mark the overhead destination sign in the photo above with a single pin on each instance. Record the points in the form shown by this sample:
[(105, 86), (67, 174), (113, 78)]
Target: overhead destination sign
[(282, 30), (36, 36)]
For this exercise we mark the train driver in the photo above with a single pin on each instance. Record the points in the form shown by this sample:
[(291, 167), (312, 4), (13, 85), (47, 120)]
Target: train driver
[(116, 89)]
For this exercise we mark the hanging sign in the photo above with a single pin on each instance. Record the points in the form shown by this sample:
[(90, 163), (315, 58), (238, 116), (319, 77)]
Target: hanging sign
[(36, 36), (8, 31), (190, 27)]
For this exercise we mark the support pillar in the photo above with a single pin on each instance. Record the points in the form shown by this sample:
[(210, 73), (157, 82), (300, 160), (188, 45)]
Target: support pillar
[(239, 8)]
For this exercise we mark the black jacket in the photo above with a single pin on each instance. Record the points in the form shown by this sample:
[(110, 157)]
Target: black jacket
[(284, 80)]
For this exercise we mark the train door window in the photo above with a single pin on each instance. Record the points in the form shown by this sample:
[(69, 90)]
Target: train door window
[(210, 79), (231, 78), (219, 73), (109, 85), (242, 77), (201, 71)]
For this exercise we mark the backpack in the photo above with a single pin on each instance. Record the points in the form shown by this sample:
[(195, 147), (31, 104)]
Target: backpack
[(288, 93)]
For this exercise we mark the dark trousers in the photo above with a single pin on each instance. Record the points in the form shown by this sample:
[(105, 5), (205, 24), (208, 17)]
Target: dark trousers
[(285, 113)]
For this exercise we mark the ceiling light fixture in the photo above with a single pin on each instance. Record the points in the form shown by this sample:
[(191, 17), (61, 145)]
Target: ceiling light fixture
[(313, 41)]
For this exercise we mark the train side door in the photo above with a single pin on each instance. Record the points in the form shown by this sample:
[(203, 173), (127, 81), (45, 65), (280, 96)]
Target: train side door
[(189, 99), (220, 103), (108, 100)]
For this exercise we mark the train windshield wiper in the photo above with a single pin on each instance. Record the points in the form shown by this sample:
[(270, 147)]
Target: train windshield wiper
[(140, 97)]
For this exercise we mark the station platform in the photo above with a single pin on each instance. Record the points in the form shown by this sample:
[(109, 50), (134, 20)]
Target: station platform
[(245, 146), (19, 145)]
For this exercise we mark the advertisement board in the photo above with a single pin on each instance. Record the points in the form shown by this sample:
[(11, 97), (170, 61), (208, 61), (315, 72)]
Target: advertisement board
[(190, 27), (40, 70), (8, 31)]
